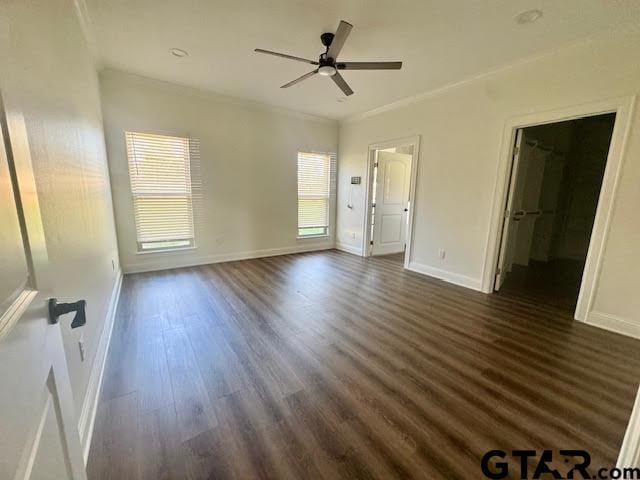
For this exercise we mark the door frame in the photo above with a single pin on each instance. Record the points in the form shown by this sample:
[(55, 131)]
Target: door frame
[(399, 142), (623, 107)]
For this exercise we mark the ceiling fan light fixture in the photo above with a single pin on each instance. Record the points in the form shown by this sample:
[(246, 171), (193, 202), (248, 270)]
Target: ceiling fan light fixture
[(327, 70)]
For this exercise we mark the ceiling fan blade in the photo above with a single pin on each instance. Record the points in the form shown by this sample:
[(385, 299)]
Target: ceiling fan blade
[(338, 40), (369, 65), (342, 84), (299, 79), (284, 55)]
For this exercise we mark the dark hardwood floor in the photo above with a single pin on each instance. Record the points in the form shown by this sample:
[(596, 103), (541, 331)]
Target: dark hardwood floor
[(327, 365)]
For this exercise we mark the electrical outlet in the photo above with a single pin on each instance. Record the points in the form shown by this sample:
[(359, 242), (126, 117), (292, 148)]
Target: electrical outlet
[(442, 253), (81, 348)]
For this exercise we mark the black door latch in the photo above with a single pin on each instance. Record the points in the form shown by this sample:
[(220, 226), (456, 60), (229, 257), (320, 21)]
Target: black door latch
[(56, 309)]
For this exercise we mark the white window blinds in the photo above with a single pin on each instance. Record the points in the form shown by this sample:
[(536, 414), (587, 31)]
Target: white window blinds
[(160, 174), (315, 175)]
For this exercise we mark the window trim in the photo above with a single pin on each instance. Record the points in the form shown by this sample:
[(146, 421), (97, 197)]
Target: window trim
[(191, 246), (326, 233), (163, 250)]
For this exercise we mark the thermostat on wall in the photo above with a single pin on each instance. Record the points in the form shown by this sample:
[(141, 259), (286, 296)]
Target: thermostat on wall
[(355, 180)]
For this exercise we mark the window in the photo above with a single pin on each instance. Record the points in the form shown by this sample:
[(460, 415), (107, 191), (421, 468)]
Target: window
[(316, 172), (160, 174)]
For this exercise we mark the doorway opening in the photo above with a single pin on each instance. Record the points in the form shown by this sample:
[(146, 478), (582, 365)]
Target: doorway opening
[(556, 177), (390, 195)]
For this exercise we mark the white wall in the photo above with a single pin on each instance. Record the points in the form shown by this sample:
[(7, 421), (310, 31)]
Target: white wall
[(461, 128), (47, 74), (248, 168)]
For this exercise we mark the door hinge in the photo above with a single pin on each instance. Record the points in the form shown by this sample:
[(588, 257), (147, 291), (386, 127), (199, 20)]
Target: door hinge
[(375, 165), (498, 271), (370, 242), (516, 151)]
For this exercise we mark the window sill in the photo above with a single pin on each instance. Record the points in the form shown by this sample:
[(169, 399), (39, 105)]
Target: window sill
[(163, 250), (313, 236)]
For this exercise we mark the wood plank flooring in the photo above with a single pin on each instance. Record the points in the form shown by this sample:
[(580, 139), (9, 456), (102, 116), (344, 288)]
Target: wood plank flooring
[(327, 366)]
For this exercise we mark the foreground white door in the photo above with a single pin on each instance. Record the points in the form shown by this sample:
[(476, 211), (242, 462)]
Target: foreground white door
[(391, 203), (39, 437)]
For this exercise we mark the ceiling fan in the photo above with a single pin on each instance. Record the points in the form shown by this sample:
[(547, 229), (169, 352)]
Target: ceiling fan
[(328, 64)]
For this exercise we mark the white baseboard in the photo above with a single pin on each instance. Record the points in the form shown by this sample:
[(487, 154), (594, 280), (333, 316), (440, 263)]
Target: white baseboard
[(90, 405), (629, 456), (614, 323), (455, 278), (349, 249), (192, 261)]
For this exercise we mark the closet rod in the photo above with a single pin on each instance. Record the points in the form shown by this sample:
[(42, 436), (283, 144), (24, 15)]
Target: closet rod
[(537, 144)]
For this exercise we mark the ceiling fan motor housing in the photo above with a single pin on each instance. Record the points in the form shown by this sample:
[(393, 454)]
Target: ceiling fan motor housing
[(326, 65)]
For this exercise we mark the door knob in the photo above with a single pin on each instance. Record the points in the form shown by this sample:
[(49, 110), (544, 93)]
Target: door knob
[(56, 309)]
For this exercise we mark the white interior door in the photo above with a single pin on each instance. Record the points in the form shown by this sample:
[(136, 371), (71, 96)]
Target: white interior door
[(391, 203), (39, 436), (509, 225)]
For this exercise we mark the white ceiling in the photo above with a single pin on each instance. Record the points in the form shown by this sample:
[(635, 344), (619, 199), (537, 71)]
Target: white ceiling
[(439, 41)]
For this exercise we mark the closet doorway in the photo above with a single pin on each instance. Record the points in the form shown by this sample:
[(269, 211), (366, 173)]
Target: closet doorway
[(554, 189)]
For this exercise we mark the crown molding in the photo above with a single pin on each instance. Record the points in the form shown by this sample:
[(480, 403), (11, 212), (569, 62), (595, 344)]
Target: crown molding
[(608, 35), (87, 27), (172, 87)]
